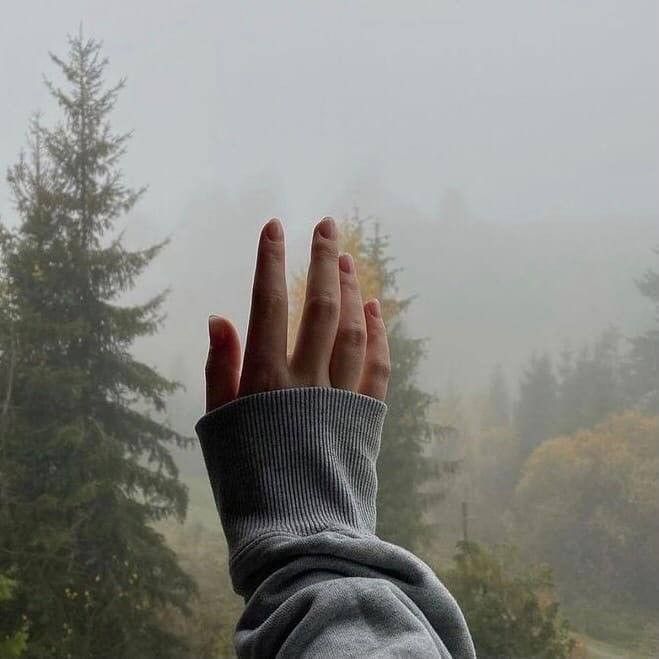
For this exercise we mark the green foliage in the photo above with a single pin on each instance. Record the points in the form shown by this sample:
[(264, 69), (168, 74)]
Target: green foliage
[(403, 467), (85, 473), (510, 612), (13, 642), (209, 631), (536, 410), (590, 384)]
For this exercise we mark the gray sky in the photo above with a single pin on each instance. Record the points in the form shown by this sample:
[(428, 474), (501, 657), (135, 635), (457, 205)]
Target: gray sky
[(540, 113), (531, 109)]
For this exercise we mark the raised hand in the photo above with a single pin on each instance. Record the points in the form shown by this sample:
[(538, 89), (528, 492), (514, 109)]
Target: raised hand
[(340, 343)]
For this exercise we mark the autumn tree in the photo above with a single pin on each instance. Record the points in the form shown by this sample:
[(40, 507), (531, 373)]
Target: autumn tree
[(403, 467), (86, 463), (588, 504)]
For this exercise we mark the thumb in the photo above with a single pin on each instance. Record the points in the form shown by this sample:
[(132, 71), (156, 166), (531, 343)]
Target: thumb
[(222, 364)]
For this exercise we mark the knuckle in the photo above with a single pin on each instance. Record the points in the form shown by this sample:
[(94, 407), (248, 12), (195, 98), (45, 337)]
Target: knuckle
[(353, 335), (323, 306), (325, 249), (262, 379), (380, 369), (268, 302)]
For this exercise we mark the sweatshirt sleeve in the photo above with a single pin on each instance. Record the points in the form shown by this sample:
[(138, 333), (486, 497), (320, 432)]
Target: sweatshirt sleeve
[(293, 473)]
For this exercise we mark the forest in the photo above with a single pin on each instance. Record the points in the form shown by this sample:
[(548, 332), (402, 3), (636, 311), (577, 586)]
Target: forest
[(528, 479)]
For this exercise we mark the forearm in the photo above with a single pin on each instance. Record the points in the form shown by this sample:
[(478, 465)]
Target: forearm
[(293, 472)]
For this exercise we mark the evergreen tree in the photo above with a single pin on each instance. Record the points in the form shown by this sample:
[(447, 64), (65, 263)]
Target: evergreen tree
[(403, 468), (85, 472), (642, 365), (537, 407), (511, 608), (590, 386), (497, 406)]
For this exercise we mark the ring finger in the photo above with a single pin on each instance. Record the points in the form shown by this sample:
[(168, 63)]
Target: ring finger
[(350, 344)]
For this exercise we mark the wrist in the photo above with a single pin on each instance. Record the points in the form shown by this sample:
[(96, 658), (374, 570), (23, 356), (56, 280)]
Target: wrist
[(295, 460)]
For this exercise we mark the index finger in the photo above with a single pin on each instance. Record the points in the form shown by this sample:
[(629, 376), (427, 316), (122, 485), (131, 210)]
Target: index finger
[(266, 344)]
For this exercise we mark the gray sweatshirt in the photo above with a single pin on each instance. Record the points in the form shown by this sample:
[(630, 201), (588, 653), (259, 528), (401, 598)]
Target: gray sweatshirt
[(293, 473)]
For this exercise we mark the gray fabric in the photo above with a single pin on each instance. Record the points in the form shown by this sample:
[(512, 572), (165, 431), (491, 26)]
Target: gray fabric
[(293, 472)]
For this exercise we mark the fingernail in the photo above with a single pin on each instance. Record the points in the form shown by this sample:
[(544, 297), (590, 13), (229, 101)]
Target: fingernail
[(273, 230), (374, 308), (327, 228), (345, 263), (215, 330)]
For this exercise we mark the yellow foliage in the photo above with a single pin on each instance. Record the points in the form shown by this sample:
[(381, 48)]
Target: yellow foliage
[(371, 278), (589, 503)]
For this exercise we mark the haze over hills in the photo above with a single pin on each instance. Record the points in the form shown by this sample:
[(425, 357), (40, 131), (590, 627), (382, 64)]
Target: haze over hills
[(487, 292)]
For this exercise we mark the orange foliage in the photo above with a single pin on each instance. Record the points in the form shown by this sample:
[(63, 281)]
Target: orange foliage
[(370, 272)]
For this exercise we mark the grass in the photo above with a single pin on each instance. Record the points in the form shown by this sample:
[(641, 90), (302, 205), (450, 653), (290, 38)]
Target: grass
[(602, 650)]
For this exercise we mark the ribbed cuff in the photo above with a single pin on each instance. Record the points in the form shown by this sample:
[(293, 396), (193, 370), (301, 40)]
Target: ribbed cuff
[(298, 460)]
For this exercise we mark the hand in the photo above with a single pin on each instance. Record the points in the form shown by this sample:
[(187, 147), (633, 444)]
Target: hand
[(340, 343)]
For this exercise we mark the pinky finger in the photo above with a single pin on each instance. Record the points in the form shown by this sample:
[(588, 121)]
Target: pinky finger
[(377, 363), (222, 364)]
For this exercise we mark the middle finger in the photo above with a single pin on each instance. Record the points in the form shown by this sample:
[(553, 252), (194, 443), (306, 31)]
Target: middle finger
[(320, 315)]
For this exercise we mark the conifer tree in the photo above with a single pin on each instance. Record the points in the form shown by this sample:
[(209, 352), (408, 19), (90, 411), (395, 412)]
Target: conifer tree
[(590, 386), (537, 407), (642, 364), (403, 466), (86, 463), (497, 407)]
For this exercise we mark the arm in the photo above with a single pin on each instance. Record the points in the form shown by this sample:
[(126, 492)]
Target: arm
[(292, 463), (299, 516)]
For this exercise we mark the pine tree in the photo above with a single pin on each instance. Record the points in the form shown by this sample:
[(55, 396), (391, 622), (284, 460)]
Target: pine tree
[(86, 465), (590, 384), (497, 406), (642, 364), (537, 408), (403, 466)]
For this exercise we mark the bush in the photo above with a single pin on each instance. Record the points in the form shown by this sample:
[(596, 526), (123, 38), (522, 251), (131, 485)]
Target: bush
[(510, 609)]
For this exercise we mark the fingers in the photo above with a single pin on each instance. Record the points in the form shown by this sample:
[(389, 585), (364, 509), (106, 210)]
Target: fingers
[(222, 364), (265, 349), (377, 363), (320, 316), (350, 343)]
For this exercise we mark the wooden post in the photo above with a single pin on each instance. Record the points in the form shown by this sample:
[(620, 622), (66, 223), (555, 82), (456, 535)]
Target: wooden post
[(465, 519)]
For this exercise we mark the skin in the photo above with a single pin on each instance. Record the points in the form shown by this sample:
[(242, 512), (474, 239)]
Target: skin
[(341, 342)]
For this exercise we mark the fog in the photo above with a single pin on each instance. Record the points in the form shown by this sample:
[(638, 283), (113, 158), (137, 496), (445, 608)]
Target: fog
[(519, 105), (510, 150)]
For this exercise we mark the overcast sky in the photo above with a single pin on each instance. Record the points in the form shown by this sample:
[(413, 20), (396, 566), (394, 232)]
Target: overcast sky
[(531, 109)]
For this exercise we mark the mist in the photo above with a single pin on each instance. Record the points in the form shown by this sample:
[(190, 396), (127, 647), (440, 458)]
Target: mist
[(509, 151)]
